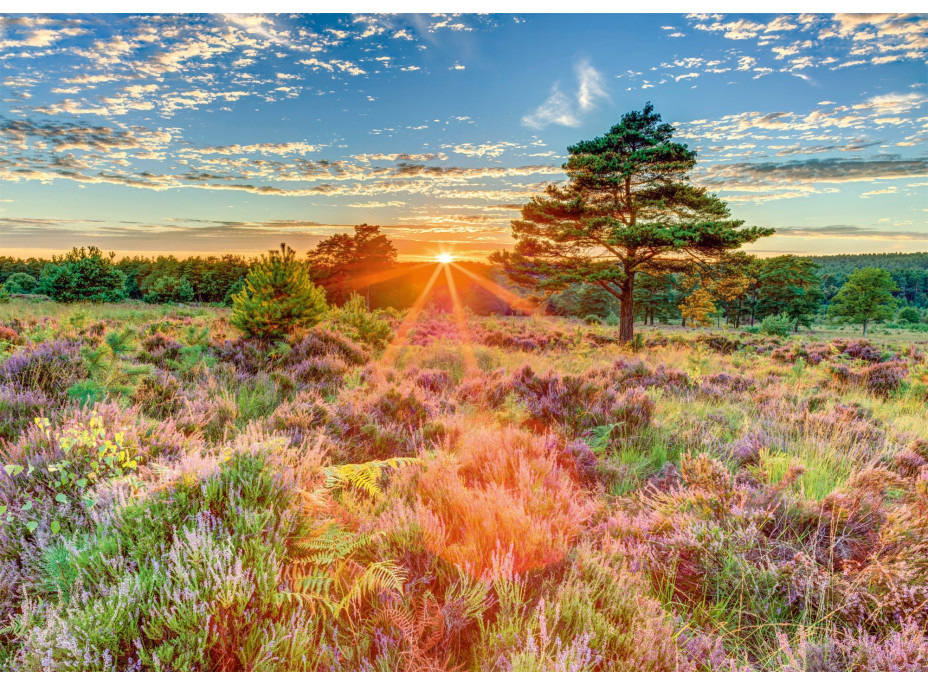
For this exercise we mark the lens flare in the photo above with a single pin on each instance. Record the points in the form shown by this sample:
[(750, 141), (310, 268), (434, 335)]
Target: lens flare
[(444, 258)]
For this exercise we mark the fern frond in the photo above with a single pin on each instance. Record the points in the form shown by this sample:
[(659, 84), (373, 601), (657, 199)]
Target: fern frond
[(377, 577), (364, 475)]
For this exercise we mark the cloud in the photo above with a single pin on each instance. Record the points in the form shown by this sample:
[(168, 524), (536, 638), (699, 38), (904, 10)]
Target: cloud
[(484, 149), (591, 89), (564, 110), (850, 232), (557, 109)]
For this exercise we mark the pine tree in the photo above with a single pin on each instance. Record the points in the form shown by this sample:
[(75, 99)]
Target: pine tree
[(789, 285), (277, 298), (866, 297), (627, 207)]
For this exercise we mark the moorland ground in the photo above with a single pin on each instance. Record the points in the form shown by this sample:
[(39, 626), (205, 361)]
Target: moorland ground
[(510, 493)]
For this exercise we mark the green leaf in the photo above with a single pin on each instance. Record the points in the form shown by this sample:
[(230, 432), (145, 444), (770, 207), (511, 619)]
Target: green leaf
[(32, 525), (27, 506), (13, 469), (82, 483), (56, 527), (61, 498), (2, 510)]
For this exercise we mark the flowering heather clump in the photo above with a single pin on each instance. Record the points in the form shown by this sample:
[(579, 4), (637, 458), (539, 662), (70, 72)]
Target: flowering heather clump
[(859, 350), (159, 349), (18, 408), (394, 421), (885, 378), (319, 342), (433, 380), (300, 417), (724, 385), (628, 374), (49, 367), (158, 394)]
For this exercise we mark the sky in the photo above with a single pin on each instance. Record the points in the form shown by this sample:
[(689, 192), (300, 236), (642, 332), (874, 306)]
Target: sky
[(219, 134)]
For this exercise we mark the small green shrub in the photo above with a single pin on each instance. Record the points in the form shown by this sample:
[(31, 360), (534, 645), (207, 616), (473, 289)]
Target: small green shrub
[(21, 282), (776, 325), (277, 298)]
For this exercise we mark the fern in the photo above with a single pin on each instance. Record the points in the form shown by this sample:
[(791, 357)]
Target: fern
[(322, 558), (364, 476), (377, 577)]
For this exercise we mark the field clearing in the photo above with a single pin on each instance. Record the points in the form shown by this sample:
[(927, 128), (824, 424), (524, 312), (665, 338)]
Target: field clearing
[(518, 493)]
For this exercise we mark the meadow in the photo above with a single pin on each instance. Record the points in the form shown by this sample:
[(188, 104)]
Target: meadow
[(492, 493)]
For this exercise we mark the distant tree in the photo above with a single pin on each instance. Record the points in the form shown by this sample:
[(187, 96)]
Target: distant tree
[(169, 289), (277, 297), (21, 282), (339, 260), (627, 207), (789, 285), (655, 297), (866, 297), (83, 274), (698, 307), (908, 315)]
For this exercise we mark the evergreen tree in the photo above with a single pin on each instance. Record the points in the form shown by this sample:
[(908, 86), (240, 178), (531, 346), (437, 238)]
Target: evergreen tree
[(866, 297), (627, 207), (277, 298), (83, 274), (789, 285)]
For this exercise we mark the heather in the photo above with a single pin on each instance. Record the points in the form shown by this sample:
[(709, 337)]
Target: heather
[(526, 494)]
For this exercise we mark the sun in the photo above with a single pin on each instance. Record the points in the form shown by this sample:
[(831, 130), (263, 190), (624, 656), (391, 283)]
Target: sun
[(444, 258)]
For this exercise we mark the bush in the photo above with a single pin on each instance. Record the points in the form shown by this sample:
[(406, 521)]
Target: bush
[(169, 289), (776, 325), (21, 282), (907, 315), (278, 297), (83, 274), (360, 325)]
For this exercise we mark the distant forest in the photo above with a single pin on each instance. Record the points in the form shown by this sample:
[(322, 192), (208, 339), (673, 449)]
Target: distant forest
[(214, 279)]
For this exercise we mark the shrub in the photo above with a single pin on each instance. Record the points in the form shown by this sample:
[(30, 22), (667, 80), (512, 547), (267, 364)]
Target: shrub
[(776, 325), (21, 282), (885, 378), (277, 298), (370, 328), (169, 289), (83, 274), (906, 315)]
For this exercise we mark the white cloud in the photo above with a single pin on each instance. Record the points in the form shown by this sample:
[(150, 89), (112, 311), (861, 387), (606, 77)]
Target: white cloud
[(564, 110)]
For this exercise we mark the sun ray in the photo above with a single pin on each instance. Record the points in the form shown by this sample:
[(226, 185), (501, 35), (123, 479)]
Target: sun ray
[(383, 275), (514, 300), (393, 349), (460, 318)]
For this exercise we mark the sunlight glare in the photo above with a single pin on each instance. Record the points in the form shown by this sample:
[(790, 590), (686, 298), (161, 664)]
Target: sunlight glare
[(445, 258)]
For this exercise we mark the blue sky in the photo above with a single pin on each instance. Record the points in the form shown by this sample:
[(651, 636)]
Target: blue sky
[(230, 133)]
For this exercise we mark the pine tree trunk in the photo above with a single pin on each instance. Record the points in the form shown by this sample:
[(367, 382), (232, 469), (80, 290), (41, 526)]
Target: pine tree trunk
[(627, 310)]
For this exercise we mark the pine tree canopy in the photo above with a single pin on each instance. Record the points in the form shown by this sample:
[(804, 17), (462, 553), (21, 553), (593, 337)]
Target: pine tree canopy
[(627, 206)]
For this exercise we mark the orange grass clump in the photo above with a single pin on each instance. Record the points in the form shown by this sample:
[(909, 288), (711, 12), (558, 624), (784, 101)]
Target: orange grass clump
[(505, 490)]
